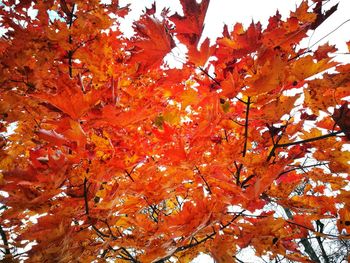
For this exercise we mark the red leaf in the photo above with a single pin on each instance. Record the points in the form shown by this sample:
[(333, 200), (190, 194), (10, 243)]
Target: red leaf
[(153, 42)]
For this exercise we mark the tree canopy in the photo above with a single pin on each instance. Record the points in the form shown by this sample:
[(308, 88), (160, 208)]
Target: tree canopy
[(118, 156)]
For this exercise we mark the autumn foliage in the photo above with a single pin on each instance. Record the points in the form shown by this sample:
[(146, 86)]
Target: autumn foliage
[(117, 155)]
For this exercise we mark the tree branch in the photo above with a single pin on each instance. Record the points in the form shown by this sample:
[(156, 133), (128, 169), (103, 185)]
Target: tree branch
[(6, 243), (131, 258), (277, 145), (320, 225), (109, 228), (308, 140), (129, 175), (217, 82), (86, 202), (238, 173), (205, 181), (300, 168), (190, 245), (69, 21), (245, 181), (304, 241), (246, 128), (236, 258), (85, 196)]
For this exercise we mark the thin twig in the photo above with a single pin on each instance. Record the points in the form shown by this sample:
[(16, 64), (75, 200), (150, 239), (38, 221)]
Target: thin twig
[(309, 140), (85, 196), (191, 245), (205, 181), (246, 128), (316, 232), (300, 168), (217, 82), (129, 175), (282, 145), (238, 173), (308, 50), (129, 255)]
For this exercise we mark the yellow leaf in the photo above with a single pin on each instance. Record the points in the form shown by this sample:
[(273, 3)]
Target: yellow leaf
[(189, 97), (338, 159), (314, 132), (274, 111), (172, 117), (306, 67), (267, 78), (303, 15)]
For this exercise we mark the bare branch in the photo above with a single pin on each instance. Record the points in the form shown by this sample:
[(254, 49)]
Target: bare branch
[(5, 242)]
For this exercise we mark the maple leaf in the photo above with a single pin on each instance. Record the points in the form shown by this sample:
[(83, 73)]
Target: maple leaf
[(152, 44), (322, 51), (303, 15), (341, 117), (189, 30), (190, 26), (273, 111), (72, 100)]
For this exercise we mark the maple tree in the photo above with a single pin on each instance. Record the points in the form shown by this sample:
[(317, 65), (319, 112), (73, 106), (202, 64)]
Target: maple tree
[(117, 156)]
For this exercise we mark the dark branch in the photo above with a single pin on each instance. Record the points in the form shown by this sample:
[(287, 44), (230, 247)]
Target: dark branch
[(85, 196), (217, 82), (5, 241), (277, 145), (69, 21), (190, 245), (131, 258), (205, 181), (320, 227), (101, 235), (304, 241), (245, 181), (314, 231), (308, 140), (236, 258), (109, 229), (246, 128), (129, 175), (86, 202), (238, 173), (301, 167)]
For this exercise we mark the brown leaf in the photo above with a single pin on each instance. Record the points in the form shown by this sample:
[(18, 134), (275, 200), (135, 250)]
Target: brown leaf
[(341, 117)]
